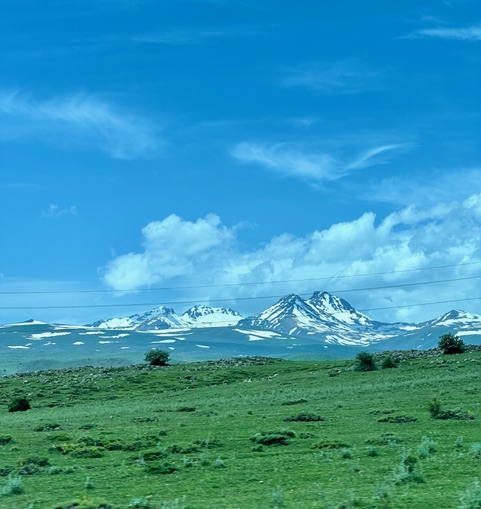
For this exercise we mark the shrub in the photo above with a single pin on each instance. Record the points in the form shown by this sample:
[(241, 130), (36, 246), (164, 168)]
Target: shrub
[(365, 362), (49, 426), (426, 448), (273, 437), (19, 405), (408, 471), (14, 486), (438, 413), (85, 503), (475, 450), (160, 468), (5, 439), (157, 357), (389, 362), (304, 418), (471, 498), (450, 344)]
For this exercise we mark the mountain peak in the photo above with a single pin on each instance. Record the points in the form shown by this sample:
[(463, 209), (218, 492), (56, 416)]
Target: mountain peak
[(338, 308)]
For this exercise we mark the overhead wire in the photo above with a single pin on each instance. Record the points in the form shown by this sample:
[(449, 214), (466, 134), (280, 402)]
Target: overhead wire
[(230, 285), (231, 299)]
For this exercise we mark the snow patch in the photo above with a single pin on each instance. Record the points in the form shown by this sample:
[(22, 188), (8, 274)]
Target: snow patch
[(41, 335)]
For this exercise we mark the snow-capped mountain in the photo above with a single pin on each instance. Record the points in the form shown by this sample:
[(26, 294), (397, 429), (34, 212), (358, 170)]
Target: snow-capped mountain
[(161, 318), (339, 308), (327, 318), (322, 319), (155, 319), (206, 316), (322, 326)]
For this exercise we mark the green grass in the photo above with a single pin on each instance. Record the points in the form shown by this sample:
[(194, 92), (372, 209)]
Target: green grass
[(276, 434)]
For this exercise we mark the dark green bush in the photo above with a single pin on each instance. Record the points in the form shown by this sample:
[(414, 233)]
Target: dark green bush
[(19, 405), (157, 357), (160, 468), (49, 426), (437, 412), (365, 362), (388, 362), (273, 437), (305, 418), (450, 344)]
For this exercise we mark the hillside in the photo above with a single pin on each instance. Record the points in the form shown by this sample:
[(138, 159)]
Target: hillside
[(250, 432)]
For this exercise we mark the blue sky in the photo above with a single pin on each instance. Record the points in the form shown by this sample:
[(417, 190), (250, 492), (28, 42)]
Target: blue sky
[(229, 152)]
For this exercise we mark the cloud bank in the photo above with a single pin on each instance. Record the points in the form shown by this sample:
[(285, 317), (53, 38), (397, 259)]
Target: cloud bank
[(391, 250), (76, 119)]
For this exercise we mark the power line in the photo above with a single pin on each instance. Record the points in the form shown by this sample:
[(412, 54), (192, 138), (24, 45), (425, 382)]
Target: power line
[(420, 304), (230, 285), (107, 330), (92, 306)]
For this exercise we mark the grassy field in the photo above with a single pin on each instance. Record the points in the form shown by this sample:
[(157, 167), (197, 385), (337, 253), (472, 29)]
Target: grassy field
[(273, 434)]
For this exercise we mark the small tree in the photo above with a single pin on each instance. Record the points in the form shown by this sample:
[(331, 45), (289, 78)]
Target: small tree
[(449, 344), (157, 357), (365, 362), (19, 405)]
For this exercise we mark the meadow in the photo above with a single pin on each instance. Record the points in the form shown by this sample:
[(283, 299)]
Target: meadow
[(246, 433)]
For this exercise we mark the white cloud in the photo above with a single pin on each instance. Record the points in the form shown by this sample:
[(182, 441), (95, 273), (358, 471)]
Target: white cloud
[(426, 187), (77, 119), (54, 210), (177, 36), (172, 247), (206, 253), (344, 77), (314, 167), (470, 33)]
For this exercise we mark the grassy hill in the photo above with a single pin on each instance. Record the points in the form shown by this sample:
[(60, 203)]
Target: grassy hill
[(249, 433)]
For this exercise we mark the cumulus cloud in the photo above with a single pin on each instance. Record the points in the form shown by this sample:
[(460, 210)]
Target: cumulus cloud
[(77, 119), (314, 167), (172, 247), (345, 258)]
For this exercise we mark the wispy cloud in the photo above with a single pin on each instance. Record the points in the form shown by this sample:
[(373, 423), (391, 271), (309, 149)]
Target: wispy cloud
[(427, 188), (77, 119), (313, 167), (54, 210), (470, 33), (177, 36), (345, 77)]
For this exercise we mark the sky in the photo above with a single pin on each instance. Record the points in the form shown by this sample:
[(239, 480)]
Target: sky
[(229, 152)]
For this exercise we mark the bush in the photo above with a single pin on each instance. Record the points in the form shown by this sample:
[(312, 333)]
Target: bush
[(157, 357), (450, 344), (471, 498), (19, 405), (273, 437), (365, 362), (437, 412), (389, 362)]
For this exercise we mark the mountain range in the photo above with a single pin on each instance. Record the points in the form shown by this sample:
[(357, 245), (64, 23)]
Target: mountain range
[(323, 325), (324, 317)]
